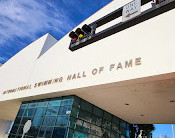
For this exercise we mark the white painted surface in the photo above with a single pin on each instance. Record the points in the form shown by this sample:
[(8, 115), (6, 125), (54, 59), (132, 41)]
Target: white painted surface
[(152, 40)]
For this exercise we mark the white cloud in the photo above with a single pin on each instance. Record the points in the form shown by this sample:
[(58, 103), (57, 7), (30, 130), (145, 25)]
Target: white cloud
[(26, 18)]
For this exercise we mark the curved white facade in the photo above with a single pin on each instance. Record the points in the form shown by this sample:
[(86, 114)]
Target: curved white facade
[(135, 66)]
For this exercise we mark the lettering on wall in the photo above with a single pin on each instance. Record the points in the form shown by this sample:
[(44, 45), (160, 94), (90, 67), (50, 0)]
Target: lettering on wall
[(70, 77)]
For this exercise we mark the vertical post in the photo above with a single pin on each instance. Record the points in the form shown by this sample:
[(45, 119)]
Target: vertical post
[(172, 130), (23, 135)]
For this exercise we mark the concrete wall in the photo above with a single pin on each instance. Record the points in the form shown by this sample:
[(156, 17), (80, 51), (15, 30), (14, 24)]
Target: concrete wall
[(4, 128)]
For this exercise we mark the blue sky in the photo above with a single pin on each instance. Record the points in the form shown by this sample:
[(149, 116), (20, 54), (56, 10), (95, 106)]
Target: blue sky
[(23, 21), (163, 129)]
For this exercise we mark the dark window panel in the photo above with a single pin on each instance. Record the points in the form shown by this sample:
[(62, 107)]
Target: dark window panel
[(114, 135), (12, 136), (62, 121), (32, 105), (17, 120), (14, 129), (21, 112), (25, 119), (83, 126), (33, 131), (107, 116), (69, 133), (72, 122), (23, 106), (49, 121), (46, 132), (52, 111), (74, 112), (106, 124), (115, 128), (123, 131), (55, 102), (37, 121), (96, 130), (97, 120), (105, 133), (78, 134), (123, 124), (43, 104), (65, 110), (29, 112), (66, 102), (59, 132), (20, 130), (85, 115), (86, 106), (40, 111), (115, 120), (76, 102), (97, 111)]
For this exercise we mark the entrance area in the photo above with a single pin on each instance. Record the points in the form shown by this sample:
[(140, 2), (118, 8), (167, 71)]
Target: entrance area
[(67, 117)]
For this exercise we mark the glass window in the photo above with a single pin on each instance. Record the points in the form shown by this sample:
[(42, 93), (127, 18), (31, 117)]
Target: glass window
[(115, 128), (86, 106), (12, 136), (43, 104), (66, 102), (70, 133), (40, 111), (106, 124), (97, 120), (55, 102), (20, 130), (85, 116), (30, 112), (33, 131), (49, 121), (37, 121), (76, 102), (62, 121), (21, 112), (59, 132), (107, 116), (78, 134), (115, 120), (32, 105), (97, 111), (65, 110), (17, 120), (114, 135), (52, 111), (24, 106), (74, 112), (123, 124), (45, 132), (72, 122), (96, 130), (25, 119), (123, 131), (14, 129), (56, 118), (105, 133)]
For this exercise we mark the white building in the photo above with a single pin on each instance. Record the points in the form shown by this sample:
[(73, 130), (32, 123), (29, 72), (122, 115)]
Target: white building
[(130, 74)]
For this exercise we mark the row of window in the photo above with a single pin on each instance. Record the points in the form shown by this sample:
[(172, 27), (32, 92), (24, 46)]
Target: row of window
[(47, 103), (57, 132), (50, 111), (73, 114)]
